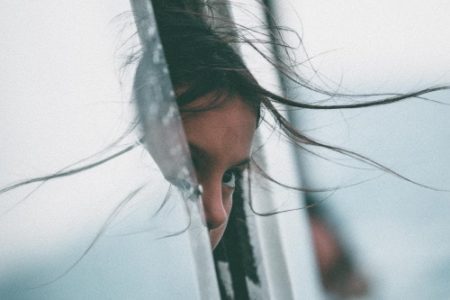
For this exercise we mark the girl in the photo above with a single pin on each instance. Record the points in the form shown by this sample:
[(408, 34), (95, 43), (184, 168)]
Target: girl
[(221, 104)]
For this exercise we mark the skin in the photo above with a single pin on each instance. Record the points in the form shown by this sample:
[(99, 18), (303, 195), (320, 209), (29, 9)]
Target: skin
[(220, 141)]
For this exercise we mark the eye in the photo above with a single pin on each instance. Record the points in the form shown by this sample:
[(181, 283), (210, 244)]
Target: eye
[(229, 178)]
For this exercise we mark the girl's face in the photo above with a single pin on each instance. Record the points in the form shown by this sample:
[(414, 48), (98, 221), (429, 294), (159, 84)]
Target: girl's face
[(220, 140)]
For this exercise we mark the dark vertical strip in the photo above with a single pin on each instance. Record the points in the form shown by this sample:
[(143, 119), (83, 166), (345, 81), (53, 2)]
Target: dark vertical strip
[(236, 250), (283, 80)]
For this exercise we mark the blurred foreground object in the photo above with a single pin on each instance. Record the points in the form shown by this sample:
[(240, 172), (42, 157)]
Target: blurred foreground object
[(338, 273)]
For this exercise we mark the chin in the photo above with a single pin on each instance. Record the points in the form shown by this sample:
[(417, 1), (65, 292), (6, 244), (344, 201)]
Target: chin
[(215, 238)]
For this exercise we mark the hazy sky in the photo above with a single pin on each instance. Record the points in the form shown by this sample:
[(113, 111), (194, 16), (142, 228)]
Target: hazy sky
[(376, 43)]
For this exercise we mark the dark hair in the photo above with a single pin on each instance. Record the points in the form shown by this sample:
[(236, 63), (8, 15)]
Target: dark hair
[(202, 59)]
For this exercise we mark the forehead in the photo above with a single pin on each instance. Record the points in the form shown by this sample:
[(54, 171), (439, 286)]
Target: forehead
[(224, 131)]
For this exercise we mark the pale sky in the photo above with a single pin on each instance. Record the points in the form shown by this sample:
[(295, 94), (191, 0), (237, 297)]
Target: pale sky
[(375, 43)]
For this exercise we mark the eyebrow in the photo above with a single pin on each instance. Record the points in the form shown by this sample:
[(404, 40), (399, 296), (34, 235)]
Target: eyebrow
[(200, 152)]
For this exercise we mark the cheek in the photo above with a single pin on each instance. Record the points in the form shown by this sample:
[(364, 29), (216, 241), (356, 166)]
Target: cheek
[(228, 204), (227, 200)]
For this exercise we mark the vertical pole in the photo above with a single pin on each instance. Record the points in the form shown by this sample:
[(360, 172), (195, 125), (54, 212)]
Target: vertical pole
[(165, 139)]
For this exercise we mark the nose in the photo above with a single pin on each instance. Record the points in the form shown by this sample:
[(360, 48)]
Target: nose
[(213, 205)]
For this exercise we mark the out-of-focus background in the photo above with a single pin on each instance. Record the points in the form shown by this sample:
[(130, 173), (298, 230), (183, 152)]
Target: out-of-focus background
[(396, 232), (64, 98)]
